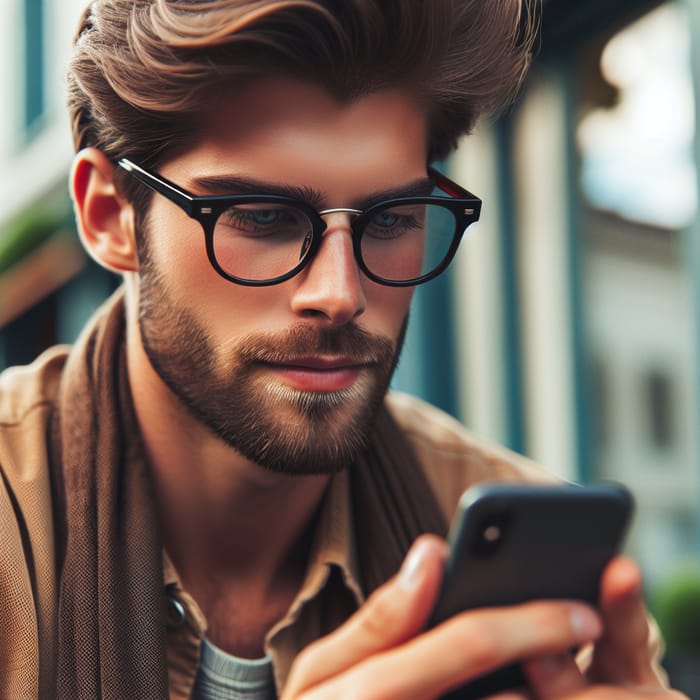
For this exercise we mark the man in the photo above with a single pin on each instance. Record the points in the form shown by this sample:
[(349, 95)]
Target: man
[(214, 478)]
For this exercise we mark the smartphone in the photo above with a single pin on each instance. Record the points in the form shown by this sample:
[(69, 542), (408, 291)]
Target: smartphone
[(511, 543)]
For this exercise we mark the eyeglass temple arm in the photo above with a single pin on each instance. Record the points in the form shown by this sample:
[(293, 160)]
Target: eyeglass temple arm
[(450, 186), (165, 187)]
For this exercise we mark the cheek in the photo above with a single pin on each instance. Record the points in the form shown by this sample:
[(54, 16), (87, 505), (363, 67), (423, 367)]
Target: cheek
[(175, 242), (178, 252), (387, 308)]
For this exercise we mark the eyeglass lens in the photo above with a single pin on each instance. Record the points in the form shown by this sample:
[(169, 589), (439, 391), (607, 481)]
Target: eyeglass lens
[(262, 241)]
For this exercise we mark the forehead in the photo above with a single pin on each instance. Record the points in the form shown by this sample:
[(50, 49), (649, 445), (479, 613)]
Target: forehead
[(289, 131)]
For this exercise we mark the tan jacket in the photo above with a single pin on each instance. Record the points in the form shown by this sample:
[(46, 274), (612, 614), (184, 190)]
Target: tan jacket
[(451, 457)]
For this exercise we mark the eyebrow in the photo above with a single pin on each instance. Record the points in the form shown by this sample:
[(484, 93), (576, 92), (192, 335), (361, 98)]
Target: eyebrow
[(234, 185)]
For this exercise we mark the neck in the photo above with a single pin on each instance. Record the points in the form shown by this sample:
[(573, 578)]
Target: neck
[(223, 517)]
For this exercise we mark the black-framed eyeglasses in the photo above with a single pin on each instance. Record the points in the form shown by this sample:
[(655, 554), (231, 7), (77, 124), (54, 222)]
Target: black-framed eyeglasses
[(265, 239)]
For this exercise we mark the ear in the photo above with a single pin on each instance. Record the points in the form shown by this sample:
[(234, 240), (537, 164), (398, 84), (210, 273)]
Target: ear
[(105, 219)]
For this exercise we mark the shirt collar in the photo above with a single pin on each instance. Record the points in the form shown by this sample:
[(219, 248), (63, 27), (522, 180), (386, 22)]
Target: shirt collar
[(333, 543)]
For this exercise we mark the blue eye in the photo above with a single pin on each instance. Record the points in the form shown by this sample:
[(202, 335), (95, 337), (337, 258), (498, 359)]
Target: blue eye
[(399, 221), (245, 218), (264, 217), (386, 219), (264, 220)]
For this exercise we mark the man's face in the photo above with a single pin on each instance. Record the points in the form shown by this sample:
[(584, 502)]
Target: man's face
[(290, 375)]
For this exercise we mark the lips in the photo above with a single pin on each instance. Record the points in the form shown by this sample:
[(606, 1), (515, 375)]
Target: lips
[(318, 374)]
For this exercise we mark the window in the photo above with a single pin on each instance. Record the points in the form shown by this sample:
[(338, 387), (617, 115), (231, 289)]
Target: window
[(658, 405), (599, 399)]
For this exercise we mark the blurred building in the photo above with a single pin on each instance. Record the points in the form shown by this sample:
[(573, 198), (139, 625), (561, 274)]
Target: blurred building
[(47, 283), (568, 329), (577, 301)]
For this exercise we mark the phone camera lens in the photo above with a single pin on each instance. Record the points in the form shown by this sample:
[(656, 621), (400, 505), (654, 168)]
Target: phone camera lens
[(492, 533)]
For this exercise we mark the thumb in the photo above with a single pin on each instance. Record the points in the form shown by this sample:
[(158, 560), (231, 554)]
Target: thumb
[(395, 612)]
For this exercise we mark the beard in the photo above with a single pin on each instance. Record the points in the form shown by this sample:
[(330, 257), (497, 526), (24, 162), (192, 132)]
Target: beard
[(281, 428)]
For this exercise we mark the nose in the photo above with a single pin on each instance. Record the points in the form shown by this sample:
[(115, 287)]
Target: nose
[(330, 287)]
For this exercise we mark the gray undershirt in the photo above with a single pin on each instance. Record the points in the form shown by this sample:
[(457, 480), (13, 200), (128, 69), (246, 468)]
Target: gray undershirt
[(222, 676)]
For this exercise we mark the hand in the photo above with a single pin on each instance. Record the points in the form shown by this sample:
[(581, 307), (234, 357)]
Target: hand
[(622, 666), (381, 652)]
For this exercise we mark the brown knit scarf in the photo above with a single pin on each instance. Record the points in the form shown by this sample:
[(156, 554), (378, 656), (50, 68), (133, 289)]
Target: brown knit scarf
[(111, 626)]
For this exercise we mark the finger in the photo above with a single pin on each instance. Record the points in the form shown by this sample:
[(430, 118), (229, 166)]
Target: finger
[(464, 648), (622, 655), (553, 677), (393, 613)]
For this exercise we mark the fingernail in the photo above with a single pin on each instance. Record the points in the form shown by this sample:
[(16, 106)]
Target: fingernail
[(412, 566), (585, 624)]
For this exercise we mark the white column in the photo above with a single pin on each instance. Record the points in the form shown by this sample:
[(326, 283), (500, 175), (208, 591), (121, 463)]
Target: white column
[(479, 304), (542, 200)]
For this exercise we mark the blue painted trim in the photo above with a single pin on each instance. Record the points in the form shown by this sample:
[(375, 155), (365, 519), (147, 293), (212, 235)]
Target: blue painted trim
[(33, 62), (515, 433), (580, 364), (438, 343)]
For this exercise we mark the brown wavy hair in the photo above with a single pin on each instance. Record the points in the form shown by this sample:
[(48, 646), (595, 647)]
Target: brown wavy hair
[(143, 70)]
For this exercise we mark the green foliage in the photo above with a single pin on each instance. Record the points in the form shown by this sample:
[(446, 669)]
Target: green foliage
[(676, 606), (28, 230)]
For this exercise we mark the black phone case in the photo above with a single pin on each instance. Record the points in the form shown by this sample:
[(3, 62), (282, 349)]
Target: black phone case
[(512, 543)]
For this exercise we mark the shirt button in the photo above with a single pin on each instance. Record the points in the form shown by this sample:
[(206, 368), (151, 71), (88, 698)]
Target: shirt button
[(175, 614)]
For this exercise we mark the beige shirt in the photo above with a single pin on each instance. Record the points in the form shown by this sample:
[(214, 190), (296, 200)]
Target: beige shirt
[(452, 459)]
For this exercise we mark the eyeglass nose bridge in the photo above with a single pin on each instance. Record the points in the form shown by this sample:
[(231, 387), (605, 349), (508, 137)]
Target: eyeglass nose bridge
[(308, 239), (340, 210), (307, 243)]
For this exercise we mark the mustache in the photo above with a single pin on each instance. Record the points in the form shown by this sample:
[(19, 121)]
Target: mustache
[(305, 340)]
